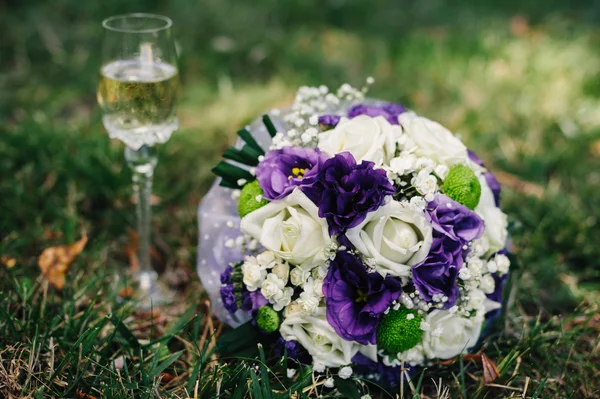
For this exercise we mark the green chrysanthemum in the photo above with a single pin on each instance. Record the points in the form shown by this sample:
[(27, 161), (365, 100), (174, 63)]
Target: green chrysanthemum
[(251, 198), (399, 330), (462, 186), (268, 319)]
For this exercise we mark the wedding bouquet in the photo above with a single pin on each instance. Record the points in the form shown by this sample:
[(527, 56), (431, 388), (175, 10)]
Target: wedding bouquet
[(368, 237)]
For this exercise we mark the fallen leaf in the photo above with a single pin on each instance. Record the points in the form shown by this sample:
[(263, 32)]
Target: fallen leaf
[(8, 261), (154, 199), (82, 395), (490, 371), (126, 293), (54, 261), (165, 378)]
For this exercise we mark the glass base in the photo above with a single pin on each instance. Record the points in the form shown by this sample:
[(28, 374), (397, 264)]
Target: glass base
[(144, 290)]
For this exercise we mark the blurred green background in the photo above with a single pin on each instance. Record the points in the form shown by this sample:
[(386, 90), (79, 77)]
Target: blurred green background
[(518, 80)]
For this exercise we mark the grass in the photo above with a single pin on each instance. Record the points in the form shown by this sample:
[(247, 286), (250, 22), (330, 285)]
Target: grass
[(519, 80)]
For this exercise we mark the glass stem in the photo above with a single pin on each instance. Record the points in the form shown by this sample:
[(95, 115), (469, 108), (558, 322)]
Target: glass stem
[(142, 163)]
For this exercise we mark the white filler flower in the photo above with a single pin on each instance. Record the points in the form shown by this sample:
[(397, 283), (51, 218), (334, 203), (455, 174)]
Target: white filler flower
[(291, 228)]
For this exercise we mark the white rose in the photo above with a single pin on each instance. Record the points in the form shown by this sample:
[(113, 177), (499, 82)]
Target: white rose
[(457, 336), (253, 276), (366, 138), (432, 140), (495, 220), (395, 235), (298, 276), (317, 336), (272, 288), (291, 228)]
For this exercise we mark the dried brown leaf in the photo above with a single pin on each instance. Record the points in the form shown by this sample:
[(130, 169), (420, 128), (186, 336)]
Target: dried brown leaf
[(54, 261), (127, 293), (165, 378), (79, 394), (490, 371)]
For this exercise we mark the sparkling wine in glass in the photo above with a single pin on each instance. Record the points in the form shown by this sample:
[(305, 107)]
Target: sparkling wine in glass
[(137, 92)]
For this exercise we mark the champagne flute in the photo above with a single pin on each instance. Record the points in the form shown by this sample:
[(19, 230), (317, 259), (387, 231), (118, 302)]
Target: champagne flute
[(137, 91)]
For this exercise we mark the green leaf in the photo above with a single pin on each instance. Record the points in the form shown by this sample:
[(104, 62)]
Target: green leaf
[(269, 125), (347, 388), (232, 173), (125, 332), (248, 139), (240, 156), (164, 364), (264, 373), (239, 340)]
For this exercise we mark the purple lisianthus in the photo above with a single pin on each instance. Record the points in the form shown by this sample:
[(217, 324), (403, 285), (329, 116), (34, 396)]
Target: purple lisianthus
[(227, 291), (226, 275), (389, 111), (489, 177), (436, 275), (346, 191), (283, 170), (228, 298), (329, 120), (252, 301), (454, 220), (355, 299), (295, 351)]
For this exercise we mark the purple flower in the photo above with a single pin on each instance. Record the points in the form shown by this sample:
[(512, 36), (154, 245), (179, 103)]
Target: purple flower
[(454, 220), (436, 274), (346, 191), (283, 170), (489, 178), (389, 111), (226, 275), (295, 351), (356, 299), (252, 301), (228, 298), (329, 120)]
